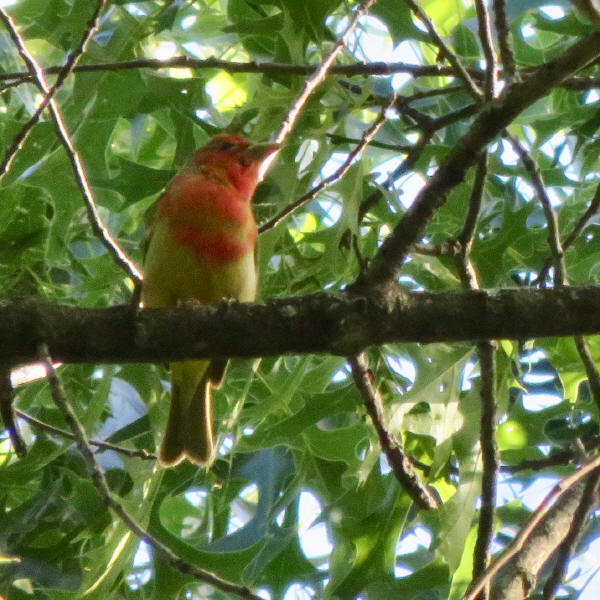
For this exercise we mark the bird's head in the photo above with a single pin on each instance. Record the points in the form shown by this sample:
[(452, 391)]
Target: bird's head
[(226, 149)]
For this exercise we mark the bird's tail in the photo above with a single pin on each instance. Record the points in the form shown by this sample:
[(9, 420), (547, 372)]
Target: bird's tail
[(189, 432)]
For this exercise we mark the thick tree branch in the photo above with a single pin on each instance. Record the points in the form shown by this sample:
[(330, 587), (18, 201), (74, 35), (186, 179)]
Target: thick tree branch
[(515, 568), (337, 323), (518, 578), (568, 545)]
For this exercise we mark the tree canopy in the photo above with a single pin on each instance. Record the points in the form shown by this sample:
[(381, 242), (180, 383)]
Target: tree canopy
[(414, 378)]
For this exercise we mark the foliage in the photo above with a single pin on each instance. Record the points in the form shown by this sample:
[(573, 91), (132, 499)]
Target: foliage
[(293, 430)]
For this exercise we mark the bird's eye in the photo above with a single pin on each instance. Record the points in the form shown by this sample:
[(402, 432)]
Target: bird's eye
[(223, 146)]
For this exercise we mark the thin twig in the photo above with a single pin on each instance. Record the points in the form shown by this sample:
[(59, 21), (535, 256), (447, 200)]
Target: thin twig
[(319, 75), (486, 350), (556, 250), (143, 454), (451, 247), (587, 215), (559, 459), (424, 122), (489, 453), (101, 485), (99, 228), (15, 83), (406, 165), (461, 72), (397, 458), (507, 55), (572, 236), (412, 157), (8, 412), (15, 78), (525, 532), (567, 546), (485, 36), (465, 237), (267, 68), (581, 83), (589, 364), (64, 71), (355, 153), (336, 138)]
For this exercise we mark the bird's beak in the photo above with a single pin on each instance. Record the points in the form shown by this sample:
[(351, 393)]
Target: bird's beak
[(258, 152)]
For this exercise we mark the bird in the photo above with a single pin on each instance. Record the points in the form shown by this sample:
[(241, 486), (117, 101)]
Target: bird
[(202, 247)]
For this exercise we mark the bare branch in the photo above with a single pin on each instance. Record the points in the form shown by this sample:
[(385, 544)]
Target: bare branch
[(143, 454), (489, 123), (556, 250), (63, 72), (589, 364), (465, 237), (397, 458), (8, 412), (319, 75), (567, 547), (459, 68), (485, 36), (572, 236), (451, 247), (486, 350), (507, 55), (587, 215), (37, 72), (406, 165), (340, 323), (541, 512), (101, 485), (268, 68), (353, 155), (489, 452)]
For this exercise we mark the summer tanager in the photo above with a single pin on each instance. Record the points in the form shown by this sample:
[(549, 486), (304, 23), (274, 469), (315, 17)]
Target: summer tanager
[(203, 247)]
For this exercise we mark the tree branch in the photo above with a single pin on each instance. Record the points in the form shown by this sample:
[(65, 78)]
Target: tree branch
[(336, 323), (320, 73), (397, 457), (267, 68), (365, 140), (143, 454), (446, 52), (101, 485), (491, 121), (507, 55), (39, 77), (555, 506), (567, 547)]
